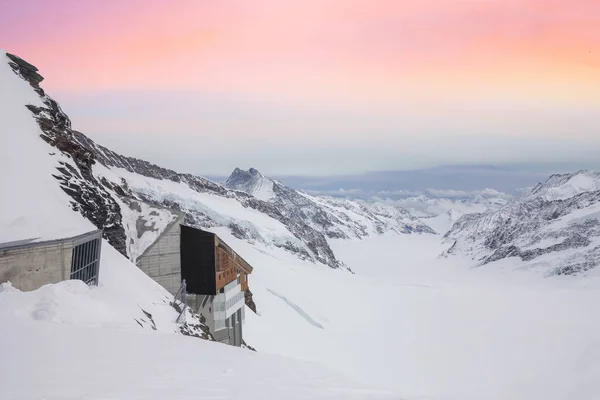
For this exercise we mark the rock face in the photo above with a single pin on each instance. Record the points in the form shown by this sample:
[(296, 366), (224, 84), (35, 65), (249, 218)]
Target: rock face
[(27, 71), (74, 175), (334, 218), (555, 227)]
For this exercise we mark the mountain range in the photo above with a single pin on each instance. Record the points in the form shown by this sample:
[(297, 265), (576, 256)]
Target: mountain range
[(555, 227)]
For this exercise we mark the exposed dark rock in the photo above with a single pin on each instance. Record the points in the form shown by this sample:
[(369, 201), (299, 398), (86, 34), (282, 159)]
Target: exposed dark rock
[(250, 300), (194, 324), (247, 346), (239, 232), (26, 70)]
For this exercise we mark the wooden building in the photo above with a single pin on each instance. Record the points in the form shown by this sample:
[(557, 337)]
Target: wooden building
[(208, 264), (216, 278)]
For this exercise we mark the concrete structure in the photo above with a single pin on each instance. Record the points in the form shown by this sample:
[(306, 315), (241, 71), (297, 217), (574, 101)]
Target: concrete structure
[(29, 264), (162, 261), (224, 313), (216, 278)]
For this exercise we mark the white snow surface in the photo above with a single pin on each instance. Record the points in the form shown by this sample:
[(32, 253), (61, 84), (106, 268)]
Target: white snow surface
[(441, 213), (221, 209), (26, 168), (261, 188), (69, 341), (123, 292), (561, 187), (429, 328)]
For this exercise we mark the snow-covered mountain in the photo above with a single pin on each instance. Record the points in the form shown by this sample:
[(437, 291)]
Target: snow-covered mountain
[(336, 218), (440, 213), (555, 227)]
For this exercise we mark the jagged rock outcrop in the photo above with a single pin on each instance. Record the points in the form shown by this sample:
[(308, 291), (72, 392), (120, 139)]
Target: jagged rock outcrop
[(560, 218), (249, 300)]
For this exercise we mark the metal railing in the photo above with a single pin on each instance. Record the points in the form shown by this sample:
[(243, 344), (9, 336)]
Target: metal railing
[(85, 261), (181, 295)]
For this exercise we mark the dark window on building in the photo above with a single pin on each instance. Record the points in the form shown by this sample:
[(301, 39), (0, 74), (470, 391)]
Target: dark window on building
[(86, 261)]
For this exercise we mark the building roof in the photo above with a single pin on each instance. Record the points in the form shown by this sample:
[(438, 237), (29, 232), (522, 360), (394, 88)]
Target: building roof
[(36, 242), (239, 261)]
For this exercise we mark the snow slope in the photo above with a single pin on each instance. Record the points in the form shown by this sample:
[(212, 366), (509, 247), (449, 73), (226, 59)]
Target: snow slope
[(562, 187), (87, 343), (27, 170), (123, 294), (555, 228), (100, 364), (429, 328)]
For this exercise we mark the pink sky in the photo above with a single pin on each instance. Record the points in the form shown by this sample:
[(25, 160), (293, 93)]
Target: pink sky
[(426, 56), (315, 47)]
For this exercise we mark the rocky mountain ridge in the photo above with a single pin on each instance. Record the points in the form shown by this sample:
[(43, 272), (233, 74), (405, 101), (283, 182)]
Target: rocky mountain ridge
[(555, 227), (337, 218)]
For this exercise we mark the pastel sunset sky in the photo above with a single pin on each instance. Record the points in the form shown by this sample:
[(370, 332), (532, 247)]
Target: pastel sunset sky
[(320, 86)]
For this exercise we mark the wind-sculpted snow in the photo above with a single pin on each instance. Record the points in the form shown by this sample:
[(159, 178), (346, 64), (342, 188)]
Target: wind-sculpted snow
[(555, 227)]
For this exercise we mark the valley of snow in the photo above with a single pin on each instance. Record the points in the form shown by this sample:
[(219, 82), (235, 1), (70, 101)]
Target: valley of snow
[(427, 327)]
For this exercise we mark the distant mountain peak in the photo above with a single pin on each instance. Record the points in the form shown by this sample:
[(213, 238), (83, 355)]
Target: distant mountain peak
[(240, 175), (563, 186), (251, 182), (555, 227)]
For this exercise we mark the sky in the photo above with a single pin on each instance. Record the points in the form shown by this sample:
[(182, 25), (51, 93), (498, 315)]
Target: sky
[(321, 87)]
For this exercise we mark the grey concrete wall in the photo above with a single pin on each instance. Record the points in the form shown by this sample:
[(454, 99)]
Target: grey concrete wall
[(232, 333), (195, 303), (30, 267), (222, 336), (235, 329), (162, 260)]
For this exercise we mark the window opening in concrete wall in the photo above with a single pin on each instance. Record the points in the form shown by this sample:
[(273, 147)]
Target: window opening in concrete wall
[(86, 261)]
